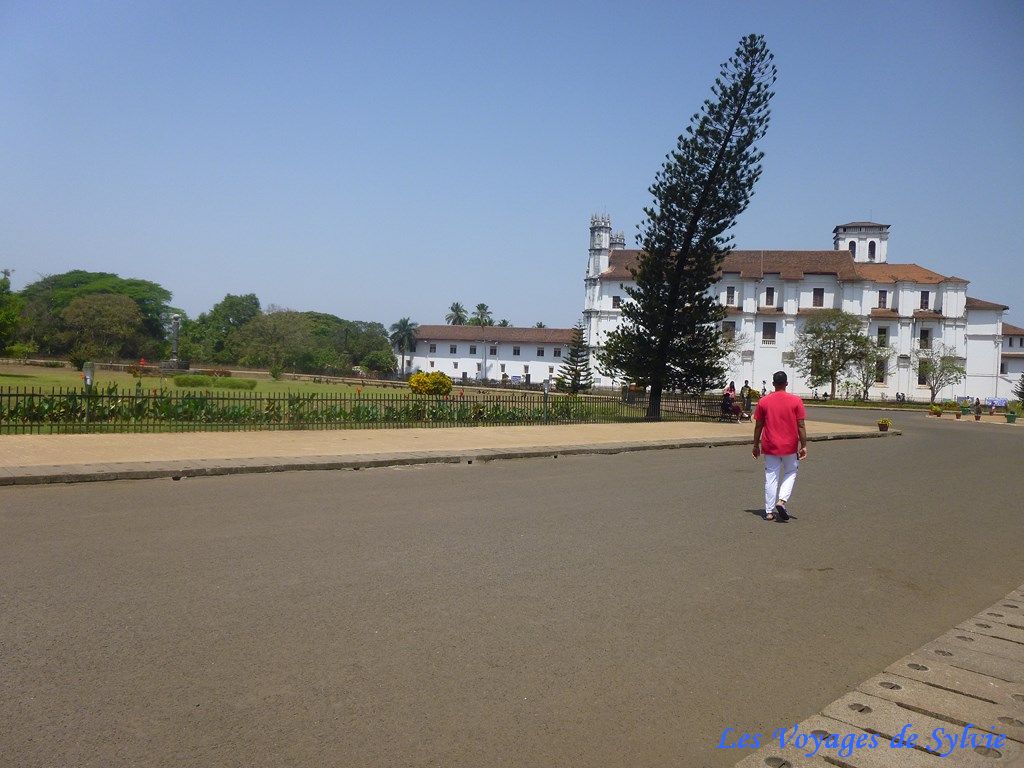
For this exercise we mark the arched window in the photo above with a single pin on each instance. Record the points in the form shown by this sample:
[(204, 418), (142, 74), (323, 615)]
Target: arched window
[(853, 248), (871, 251)]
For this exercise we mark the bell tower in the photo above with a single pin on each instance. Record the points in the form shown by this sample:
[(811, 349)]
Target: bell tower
[(866, 241)]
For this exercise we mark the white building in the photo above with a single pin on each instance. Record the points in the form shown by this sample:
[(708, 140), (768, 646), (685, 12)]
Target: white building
[(769, 294), (467, 353)]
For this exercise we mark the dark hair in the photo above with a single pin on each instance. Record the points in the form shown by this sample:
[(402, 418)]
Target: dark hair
[(779, 378)]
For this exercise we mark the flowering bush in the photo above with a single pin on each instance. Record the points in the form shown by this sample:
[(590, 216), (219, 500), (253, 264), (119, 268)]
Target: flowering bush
[(435, 383)]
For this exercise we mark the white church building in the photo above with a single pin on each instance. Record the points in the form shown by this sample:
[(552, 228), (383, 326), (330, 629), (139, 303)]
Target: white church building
[(768, 295)]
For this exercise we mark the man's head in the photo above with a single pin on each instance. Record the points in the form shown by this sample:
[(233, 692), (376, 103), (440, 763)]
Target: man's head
[(780, 380)]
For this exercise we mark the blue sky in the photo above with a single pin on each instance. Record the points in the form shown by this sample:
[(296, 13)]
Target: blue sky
[(381, 160)]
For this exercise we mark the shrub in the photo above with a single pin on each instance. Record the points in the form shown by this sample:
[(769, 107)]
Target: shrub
[(885, 422), (435, 383), (191, 380), (21, 351), (276, 371), (222, 383)]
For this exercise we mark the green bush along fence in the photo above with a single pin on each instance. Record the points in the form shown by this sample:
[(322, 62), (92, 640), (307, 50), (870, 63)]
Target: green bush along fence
[(25, 411)]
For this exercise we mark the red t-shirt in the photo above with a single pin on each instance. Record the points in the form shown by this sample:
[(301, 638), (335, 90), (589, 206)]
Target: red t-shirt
[(779, 412)]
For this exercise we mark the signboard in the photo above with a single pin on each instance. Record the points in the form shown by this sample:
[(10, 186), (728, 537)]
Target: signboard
[(517, 379), (998, 402)]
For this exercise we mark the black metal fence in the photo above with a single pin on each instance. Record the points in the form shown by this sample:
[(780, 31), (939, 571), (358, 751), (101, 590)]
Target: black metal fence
[(26, 411)]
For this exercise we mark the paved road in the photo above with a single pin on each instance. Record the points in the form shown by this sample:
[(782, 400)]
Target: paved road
[(583, 611)]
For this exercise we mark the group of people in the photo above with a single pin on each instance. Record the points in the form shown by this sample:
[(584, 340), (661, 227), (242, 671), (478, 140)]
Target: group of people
[(738, 407)]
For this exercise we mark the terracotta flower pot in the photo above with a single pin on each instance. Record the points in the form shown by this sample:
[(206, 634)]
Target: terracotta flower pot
[(883, 427), (977, 417)]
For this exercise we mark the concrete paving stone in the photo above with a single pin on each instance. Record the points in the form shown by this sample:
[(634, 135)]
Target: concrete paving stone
[(774, 757), (985, 624), (964, 658), (1009, 612), (946, 705), (928, 670), (994, 646), (885, 718)]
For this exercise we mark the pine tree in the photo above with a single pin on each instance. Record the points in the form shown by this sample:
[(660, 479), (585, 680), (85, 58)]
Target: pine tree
[(1018, 391), (575, 375), (669, 336)]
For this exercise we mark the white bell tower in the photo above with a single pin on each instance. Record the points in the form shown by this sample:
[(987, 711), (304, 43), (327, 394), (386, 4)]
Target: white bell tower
[(866, 241)]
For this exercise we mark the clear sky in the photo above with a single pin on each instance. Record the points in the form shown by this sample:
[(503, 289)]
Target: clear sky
[(377, 160)]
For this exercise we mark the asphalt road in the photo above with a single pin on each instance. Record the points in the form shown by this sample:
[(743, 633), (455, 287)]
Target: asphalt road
[(586, 611)]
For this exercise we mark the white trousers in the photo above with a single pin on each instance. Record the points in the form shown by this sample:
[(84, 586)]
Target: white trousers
[(779, 479)]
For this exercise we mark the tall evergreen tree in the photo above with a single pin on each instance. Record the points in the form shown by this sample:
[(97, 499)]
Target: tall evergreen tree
[(575, 375), (1018, 391), (669, 336)]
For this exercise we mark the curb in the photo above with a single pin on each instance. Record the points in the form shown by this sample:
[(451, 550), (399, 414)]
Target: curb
[(91, 473)]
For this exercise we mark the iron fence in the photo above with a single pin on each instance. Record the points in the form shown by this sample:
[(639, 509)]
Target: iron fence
[(27, 410)]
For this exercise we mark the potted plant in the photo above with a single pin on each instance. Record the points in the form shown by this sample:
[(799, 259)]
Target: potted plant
[(1012, 411), (935, 410), (884, 424)]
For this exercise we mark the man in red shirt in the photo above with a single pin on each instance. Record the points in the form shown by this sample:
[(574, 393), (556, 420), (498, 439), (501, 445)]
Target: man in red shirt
[(779, 434)]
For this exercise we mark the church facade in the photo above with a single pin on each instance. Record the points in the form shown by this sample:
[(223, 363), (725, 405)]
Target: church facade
[(768, 296)]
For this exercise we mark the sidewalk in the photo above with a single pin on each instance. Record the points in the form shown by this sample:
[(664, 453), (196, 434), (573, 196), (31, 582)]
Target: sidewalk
[(974, 673), (31, 459)]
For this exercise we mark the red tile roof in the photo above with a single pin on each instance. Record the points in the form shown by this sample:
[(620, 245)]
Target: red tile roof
[(794, 265), (493, 334), (1012, 330), (900, 273), (973, 303), (884, 312)]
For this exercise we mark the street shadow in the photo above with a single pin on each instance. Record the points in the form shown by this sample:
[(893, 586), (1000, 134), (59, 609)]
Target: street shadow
[(759, 512)]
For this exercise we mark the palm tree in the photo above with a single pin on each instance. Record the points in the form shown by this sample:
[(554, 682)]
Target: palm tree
[(540, 325), (481, 316), (457, 314), (503, 323), (403, 336)]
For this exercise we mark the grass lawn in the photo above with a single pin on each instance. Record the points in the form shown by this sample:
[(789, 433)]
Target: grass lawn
[(56, 378)]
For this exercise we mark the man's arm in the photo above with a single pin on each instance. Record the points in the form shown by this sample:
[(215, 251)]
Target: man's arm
[(758, 426), (803, 439)]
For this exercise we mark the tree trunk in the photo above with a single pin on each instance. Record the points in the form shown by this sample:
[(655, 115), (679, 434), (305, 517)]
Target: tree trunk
[(832, 394), (654, 404)]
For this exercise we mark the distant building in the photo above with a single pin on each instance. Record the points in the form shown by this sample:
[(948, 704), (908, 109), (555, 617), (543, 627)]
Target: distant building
[(768, 295), (468, 353)]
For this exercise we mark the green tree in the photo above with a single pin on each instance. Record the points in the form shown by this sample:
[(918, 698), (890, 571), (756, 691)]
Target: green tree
[(669, 335), (403, 337), (457, 314), (10, 310), (101, 326), (575, 375), (503, 323), (481, 316), (828, 344), (938, 367), (1018, 391), (873, 360), (278, 340), (54, 293), (539, 325), (205, 338), (380, 361)]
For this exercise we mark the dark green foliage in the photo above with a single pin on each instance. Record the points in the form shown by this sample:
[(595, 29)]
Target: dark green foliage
[(193, 381), (102, 327), (380, 361), (45, 300), (205, 337), (403, 337), (669, 336), (1018, 390), (10, 311), (575, 375)]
